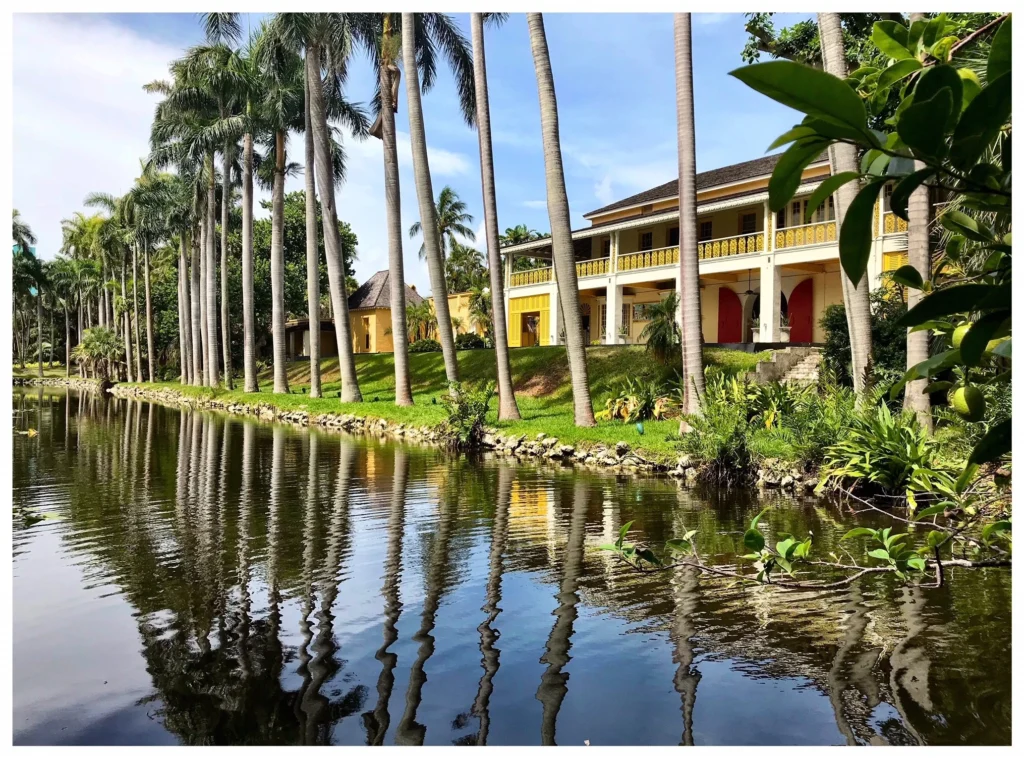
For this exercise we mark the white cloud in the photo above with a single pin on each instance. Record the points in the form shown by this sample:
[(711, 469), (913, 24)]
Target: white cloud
[(603, 190), (536, 204), (81, 119), (710, 19), (82, 124)]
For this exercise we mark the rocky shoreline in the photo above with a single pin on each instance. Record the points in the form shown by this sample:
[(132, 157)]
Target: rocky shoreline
[(619, 457)]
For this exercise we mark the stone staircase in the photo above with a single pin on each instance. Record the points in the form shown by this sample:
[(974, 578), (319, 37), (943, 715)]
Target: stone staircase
[(798, 365)]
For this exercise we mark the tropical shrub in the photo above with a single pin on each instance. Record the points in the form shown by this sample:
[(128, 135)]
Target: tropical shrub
[(425, 346), (718, 439), (467, 411), (887, 452), (888, 338), (661, 335), (637, 400), (469, 341), (99, 351)]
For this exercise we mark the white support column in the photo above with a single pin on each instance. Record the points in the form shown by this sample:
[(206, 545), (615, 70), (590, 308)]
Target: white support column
[(771, 300), (679, 305), (614, 252), (767, 227), (614, 303), (554, 316)]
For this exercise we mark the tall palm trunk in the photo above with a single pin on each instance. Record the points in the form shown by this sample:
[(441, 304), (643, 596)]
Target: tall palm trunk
[(425, 195), (277, 268), (67, 343), (312, 256), (149, 314), (204, 311), (213, 378), (389, 76), (507, 407), (195, 301), (182, 310), (248, 312), (135, 310), (225, 318), (51, 334), (689, 276), (39, 327), (918, 256), (127, 325), (561, 235), (843, 157), (332, 244)]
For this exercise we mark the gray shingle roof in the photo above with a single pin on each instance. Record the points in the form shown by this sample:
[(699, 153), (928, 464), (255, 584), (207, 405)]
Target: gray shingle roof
[(375, 292), (706, 179)]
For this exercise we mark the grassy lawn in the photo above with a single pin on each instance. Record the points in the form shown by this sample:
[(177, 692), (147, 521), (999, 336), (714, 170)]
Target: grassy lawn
[(31, 371), (540, 376)]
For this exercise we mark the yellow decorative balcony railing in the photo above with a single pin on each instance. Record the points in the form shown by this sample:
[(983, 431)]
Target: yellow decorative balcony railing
[(594, 267), (665, 256), (807, 234), (532, 276), (893, 224), (739, 245)]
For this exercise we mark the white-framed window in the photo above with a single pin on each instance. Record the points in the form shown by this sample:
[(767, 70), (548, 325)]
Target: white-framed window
[(796, 213), (887, 198), (780, 219), (748, 223), (606, 247), (673, 236), (704, 231), (646, 240)]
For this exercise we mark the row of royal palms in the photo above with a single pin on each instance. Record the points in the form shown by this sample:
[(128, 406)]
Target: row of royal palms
[(227, 98)]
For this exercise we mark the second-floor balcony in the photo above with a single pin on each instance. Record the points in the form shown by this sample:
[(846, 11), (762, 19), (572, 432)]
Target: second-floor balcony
[(822, 233)]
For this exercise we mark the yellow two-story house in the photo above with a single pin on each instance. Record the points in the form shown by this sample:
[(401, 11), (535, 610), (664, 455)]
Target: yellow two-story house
[(764, 277)]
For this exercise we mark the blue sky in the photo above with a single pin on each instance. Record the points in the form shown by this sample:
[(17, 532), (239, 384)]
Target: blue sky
[(614, 78)]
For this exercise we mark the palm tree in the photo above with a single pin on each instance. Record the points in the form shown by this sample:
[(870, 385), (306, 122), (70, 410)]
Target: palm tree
[(561, 234), (421, 320), (843, 157), (327, 41), (919, 256), (689, 275), (223, 30), (452, 219), (375, 32), (496, 325), (312, 252), (516, 235), (63, 294), (481, 308), (661, 335), (463, 268), (22, 234), (29, 270), (424, 191)]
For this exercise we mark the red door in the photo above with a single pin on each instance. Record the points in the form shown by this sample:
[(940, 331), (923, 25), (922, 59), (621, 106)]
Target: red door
[(730, 316), (801, 308)]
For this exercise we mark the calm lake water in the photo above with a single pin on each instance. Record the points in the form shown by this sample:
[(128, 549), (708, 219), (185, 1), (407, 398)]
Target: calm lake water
[(182, 577)]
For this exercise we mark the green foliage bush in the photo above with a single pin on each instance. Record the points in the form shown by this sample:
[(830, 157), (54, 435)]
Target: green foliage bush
[(470, 341), (425, 346), (886, 451), (467, 410), (888, 338)]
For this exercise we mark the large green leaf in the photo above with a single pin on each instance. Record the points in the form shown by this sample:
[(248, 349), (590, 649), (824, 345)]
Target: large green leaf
[(981, 121), (908, 276), (971, 85), (996, 443), (897, 71), (826, 189), (961, 223), (960, 298), (792, 135), (788, 172), (922, 126), (808, 90), (988, 327), (753, 540), (936, 79), (856, 233), (901, 192), (925, 369), (999, 56), (892, 38)]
